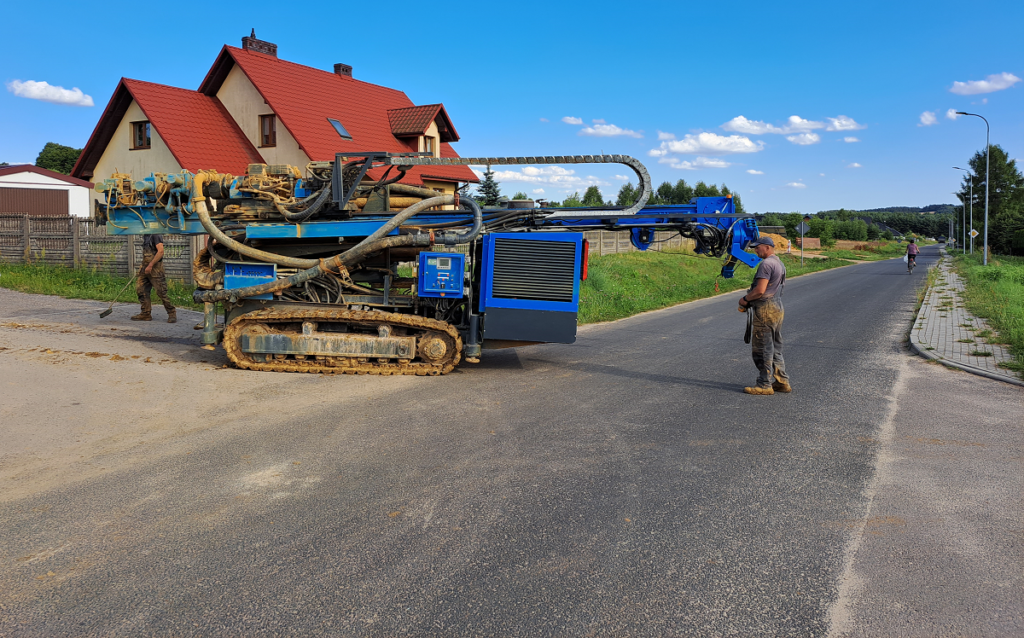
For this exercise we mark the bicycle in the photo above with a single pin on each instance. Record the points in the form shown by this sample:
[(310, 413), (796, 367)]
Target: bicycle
[(911, 262)]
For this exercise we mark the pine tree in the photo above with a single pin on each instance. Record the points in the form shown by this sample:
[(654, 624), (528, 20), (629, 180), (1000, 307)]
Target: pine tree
[(488, 192)]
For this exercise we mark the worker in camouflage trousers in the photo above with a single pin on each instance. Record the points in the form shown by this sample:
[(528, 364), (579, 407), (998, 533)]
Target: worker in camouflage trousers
[(151, 276), (763, 302)]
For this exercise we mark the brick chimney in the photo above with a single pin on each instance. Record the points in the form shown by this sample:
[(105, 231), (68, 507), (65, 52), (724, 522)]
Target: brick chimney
[(250, 43), (344, 70)]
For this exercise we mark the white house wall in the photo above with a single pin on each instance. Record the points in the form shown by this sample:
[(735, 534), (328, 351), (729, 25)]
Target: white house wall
[(120, 158), (246, 105), (79, 197)]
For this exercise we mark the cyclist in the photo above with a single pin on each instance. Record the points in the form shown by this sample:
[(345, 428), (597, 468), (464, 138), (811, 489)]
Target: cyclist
[(912, 252)]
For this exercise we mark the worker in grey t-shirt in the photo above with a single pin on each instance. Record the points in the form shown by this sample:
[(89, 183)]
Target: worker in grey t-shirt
[(764, 301)]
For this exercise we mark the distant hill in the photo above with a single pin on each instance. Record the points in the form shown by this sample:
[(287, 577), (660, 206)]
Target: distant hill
[(935, 209)]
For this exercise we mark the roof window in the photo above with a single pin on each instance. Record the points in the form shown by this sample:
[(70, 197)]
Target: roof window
[(340, 129)]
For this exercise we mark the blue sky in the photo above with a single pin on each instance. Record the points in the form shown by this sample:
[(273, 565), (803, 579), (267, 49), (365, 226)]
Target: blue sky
[(797, 106)]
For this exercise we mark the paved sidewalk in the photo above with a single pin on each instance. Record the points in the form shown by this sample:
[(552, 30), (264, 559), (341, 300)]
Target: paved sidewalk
[(946, 332)]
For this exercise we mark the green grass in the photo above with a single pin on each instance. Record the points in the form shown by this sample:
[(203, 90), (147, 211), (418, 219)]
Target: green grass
[(996, 292), (630, 283), (869, 251), (83, 283)]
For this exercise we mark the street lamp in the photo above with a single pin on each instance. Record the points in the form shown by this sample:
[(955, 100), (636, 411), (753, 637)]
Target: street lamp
[(987, 131), (971, 181)]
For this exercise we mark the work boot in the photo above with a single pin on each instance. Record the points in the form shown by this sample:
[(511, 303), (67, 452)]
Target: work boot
[(172, 316), (758, 390), (781, 385), (142, 316)]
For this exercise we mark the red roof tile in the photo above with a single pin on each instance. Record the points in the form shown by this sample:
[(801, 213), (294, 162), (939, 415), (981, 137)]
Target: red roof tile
[(415, 120), (197, 129), (303, 98)]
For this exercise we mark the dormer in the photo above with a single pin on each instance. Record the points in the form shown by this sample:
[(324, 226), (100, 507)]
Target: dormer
[(426, 126)]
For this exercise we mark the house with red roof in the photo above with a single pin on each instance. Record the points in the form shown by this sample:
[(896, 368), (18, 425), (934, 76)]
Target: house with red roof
[(254, 108)]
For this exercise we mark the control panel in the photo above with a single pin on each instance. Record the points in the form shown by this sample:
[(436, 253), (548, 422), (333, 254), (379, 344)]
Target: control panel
[(441, 275)]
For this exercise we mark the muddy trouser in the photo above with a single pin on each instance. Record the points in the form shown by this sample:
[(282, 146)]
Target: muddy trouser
[(766, 342), (155, 280)]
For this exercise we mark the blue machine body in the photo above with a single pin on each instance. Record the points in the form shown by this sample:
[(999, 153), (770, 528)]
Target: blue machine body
[(547, 280), (441, 275), (238, 274)]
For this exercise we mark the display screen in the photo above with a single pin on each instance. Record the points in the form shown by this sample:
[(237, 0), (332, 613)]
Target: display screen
[(444, 263)]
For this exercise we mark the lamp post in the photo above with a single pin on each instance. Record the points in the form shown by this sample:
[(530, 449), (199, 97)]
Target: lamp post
[(987, 131), (971, 182)]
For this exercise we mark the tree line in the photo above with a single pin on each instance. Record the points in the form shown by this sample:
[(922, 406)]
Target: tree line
[(56, 157), (489, 192)]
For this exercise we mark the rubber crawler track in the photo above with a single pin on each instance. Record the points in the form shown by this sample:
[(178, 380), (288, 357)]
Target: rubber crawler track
[(372, 317)]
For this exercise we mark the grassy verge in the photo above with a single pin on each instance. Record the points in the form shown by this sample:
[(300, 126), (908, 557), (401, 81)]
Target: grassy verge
[(83, 283), (630, 283), (996, 292), (866, 251)]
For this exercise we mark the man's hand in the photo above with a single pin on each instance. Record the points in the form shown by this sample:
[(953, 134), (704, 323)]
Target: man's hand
[(149, 269)]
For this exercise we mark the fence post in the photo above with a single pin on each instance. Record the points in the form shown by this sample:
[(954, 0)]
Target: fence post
[(26, 232), (76, 242), (130, 243)]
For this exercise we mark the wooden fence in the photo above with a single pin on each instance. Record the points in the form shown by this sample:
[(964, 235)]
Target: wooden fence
[(84, 243)]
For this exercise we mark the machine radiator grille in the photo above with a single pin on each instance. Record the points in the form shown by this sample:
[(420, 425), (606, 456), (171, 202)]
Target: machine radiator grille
[(533, 269)]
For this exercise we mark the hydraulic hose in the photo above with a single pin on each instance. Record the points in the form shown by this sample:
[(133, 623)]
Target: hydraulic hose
[(314, 208), (313, 267)]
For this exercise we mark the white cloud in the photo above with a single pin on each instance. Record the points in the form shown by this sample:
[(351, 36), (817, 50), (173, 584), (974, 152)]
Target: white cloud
[(556, 176), (622, 178), (989, 85), (538, 191), (54, 94), (544, 119), (740, 124), (821, 174), (805, 139), (951, 114), (707, 144), (568, 119), (700, 162), (796, 185), (608, 130), (598, 121), (843, 123), (795, 124), (850, 140), (853, 165), (928, 118), (662, 136), (754, 172)]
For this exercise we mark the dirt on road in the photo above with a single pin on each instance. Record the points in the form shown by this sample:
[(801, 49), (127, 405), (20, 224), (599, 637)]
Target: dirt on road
[(83, 396)]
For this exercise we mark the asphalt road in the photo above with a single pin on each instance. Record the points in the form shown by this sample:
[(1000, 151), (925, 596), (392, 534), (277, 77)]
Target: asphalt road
[(623, 485)]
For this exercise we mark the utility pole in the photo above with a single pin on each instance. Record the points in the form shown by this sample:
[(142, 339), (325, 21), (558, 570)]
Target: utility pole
[(987, 149)]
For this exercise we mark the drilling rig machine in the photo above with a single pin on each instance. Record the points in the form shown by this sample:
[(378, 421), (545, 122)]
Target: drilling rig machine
[(305, 266)]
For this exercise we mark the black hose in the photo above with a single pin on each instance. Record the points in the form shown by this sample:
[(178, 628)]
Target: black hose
[(314, 208)]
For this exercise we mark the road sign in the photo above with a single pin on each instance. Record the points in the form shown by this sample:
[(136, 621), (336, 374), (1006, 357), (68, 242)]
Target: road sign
[(974, 233), (802, 228)]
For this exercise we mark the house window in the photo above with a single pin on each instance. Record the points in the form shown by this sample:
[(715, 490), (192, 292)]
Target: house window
[(340, 129), (140, 135), (268, 130), (428, 145)]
